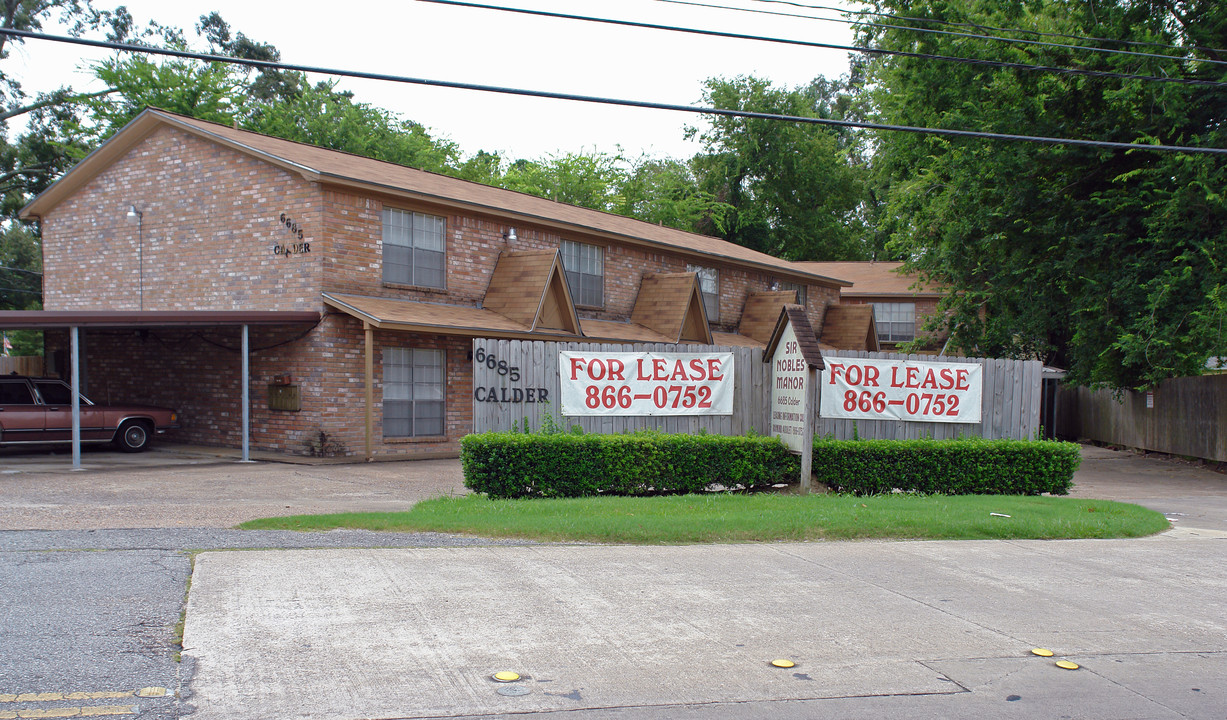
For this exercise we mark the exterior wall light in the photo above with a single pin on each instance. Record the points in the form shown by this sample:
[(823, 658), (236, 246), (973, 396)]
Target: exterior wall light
[(138, 217), (510, 235)]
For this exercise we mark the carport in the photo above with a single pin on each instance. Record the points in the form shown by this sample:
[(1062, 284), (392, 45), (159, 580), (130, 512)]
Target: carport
[(76, 320)]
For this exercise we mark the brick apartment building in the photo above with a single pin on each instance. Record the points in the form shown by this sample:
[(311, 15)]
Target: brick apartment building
[(366, 282), (901, 305)]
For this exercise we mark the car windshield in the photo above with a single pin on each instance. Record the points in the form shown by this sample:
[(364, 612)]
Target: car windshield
[(55, 392)]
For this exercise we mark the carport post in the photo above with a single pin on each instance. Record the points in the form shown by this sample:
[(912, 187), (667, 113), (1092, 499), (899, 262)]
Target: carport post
[(75, 364), (246, 401), (370, 383)]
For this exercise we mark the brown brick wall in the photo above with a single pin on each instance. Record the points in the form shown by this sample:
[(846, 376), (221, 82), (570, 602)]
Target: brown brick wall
[(211, 222)]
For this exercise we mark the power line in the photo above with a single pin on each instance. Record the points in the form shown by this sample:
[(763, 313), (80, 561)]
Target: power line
[(833, 46), (698, 110), (973, 36), (31, 272), (1040, 33)]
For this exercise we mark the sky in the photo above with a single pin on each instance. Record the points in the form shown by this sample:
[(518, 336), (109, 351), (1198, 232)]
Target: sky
[(427, 40)]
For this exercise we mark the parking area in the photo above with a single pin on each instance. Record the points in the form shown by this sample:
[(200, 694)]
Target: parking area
[(174, 486)]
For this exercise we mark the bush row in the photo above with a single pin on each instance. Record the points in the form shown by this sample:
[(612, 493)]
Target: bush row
[(512, 465), (967, 466), (515, 465)]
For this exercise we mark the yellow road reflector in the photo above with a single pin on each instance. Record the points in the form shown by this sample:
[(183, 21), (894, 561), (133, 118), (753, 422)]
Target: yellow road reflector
[(783, 663), (1067, 664), (1042, 652), (506, 676)]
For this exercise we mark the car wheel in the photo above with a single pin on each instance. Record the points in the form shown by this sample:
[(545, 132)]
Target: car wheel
[(133, 436)]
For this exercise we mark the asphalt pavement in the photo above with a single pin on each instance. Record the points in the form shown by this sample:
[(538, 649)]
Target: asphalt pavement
[(365, 625)]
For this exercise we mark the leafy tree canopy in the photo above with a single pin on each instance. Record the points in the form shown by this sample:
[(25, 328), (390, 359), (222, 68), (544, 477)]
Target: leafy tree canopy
[(795, 190), (1107, 262)]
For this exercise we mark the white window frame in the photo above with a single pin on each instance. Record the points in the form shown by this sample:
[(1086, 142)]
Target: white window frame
[(421, 241), (896, 321), (709, 285), (414, 402), (584, 266)]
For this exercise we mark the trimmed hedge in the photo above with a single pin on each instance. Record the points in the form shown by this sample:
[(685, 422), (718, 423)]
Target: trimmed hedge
[(969, 466), (516, 465), (526, 465)]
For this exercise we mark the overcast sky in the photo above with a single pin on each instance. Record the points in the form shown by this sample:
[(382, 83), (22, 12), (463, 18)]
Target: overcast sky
[(427, 40)]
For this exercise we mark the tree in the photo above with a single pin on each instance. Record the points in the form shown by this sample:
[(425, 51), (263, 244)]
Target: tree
[(322, 116), (1109, 263), (794, 189)]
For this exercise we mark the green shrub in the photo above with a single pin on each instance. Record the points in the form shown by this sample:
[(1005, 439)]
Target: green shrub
[(514, 465), (969, 466)]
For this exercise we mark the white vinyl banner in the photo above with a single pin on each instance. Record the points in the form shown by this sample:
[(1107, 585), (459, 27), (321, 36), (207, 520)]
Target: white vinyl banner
[(645, 383), (901, 390)]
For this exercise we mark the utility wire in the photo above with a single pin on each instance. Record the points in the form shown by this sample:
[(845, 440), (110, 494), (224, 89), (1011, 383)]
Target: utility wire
[(698, 110), (1040, 33), (832, 46), (31, 272), (1012, 41)]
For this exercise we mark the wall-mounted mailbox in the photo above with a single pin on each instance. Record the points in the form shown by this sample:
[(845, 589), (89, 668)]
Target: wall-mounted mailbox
[(284, 397)]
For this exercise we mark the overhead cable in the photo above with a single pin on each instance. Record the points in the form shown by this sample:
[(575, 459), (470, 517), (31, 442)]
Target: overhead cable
[(951, 33), (1041, 33), (693, 109), (832, 46)]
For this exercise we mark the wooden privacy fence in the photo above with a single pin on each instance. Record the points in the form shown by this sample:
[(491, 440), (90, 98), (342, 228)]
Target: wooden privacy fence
[(538, 365), (1183, 416), (1010, 409)]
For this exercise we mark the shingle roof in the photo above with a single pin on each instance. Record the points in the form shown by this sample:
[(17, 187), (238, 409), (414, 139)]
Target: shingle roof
[(871, 279), (762, 310), (339, 168), (849, 327), (527, 286), (672, 305)]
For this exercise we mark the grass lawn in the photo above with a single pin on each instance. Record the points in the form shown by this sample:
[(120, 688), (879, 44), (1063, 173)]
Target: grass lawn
[(760, 517)]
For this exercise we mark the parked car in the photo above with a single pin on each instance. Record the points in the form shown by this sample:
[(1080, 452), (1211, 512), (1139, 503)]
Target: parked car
[(39, 410)]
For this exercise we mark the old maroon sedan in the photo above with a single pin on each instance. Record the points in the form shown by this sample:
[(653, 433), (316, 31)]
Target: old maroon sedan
[(39, 410)]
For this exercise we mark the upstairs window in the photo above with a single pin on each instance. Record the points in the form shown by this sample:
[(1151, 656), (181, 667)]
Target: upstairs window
[(412, 392), (781, 285), (709, 285), (584, 266), (413, 248), (896, 321)]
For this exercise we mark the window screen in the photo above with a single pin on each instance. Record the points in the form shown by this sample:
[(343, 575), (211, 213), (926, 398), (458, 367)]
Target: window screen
[(584, 267), (412, 392), (413, 248)]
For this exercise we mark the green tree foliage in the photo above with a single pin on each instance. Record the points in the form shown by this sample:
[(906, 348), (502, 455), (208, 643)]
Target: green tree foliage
[(320, 115), (795, 190), (1107, 262)]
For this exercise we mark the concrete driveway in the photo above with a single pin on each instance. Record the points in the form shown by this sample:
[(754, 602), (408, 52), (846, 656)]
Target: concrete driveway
[(193, 487)]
